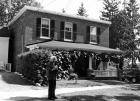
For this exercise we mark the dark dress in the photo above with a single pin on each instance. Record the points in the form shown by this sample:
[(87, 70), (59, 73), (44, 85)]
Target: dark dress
[(52, 80)]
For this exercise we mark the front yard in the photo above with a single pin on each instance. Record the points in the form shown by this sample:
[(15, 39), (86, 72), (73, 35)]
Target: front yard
[(14, 84), (126, 93)]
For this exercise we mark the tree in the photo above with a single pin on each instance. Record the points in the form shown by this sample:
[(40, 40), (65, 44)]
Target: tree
[(2, 13), (82, 10), (110, 8), (129, 42), (10, 9), (111, 13)]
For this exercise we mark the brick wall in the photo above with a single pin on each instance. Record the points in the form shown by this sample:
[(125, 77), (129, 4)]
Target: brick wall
[(24, 31)]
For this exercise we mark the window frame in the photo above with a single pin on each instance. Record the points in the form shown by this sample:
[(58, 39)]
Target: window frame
[(41, 35), (95, 42), (68, 31)]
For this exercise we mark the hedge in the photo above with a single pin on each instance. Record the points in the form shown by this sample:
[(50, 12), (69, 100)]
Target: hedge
[(33, 65)]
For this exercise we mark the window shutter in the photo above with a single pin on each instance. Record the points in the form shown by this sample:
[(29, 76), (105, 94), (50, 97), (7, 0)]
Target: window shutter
[(52, 28), (38, 27), (88, 34), (62, 26), (74, 32), (98, 34)]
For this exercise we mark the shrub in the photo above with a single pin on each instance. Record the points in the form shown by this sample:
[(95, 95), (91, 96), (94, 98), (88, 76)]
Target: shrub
[(33, 65)]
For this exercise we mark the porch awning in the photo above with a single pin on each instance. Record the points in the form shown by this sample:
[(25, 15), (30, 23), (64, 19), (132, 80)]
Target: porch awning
[(77, 46)]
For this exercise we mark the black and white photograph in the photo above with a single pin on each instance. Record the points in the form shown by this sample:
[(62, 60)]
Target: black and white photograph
[(69, 50)]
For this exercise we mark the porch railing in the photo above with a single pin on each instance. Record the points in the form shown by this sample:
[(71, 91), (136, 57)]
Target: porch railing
[(105, 73)]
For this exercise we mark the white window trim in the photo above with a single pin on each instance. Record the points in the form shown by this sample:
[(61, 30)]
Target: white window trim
[(96, 35), (71, 32), (41, 36)]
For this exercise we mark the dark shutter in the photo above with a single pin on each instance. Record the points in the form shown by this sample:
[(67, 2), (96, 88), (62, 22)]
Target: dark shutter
[(52, 28), (88, 34), (38, 27), (62, 26), (74, 32), (98, 34)]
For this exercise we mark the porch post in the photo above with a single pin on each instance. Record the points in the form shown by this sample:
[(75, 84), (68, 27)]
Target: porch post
[(90, 62)]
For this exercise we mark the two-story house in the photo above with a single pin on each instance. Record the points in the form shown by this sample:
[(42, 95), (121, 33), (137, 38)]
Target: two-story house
[(33, 27)]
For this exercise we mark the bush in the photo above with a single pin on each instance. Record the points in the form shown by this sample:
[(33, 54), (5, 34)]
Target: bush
[(33, 65)]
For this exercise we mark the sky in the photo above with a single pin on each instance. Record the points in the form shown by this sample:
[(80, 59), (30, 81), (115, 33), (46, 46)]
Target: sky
[(93, 7)]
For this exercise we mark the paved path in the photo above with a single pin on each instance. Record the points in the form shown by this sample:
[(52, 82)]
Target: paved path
[(7, 96)]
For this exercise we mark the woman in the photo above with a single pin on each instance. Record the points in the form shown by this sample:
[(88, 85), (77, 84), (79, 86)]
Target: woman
[(52, 77)]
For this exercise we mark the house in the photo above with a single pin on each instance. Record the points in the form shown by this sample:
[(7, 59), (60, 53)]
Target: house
[(4, 44), (34, 27)]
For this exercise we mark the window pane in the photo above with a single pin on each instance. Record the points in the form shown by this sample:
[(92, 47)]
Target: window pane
[(45, 32), (92, 30), (45, 26), (68, 25), (93, 37), (45, 21), (68, 35), (68, 30)]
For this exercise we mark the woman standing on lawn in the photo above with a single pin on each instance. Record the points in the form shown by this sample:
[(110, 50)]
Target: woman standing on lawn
[(52, 77)]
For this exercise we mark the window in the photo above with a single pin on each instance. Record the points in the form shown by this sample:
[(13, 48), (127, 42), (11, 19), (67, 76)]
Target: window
[(68, 31), (93, 34), (45, 28)]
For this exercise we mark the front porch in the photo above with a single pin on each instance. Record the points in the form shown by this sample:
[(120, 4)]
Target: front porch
[(89, 63), (104, 69), (106, 73)]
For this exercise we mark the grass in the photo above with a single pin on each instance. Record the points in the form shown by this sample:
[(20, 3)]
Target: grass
[(112, 94), (87, 83), (130, 92)]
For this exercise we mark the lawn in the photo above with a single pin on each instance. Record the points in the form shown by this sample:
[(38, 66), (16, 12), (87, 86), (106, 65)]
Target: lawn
[(129, 92), (12, 82), (126, 93)]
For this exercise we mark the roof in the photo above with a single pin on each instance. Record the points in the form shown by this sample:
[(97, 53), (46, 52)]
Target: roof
[(76, 46), (4, 32), (25, 8)]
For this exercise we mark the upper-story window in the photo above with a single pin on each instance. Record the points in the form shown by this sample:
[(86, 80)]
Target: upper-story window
[(93, 34), (68, 31), (45, 28)]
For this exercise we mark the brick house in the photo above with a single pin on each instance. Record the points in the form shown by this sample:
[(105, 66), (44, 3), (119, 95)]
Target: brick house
[(4, 44), (34, 27)]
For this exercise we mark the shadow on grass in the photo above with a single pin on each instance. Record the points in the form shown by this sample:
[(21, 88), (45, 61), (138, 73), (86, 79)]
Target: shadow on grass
[(133, 87), (12, 78), (33, 99), (124, 97), (110, 82)]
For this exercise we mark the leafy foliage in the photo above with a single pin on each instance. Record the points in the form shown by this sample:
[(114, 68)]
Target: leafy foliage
[(2, 12), (110, 8), (34, 65), (124, 22), (9, 10), (111, 13)]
